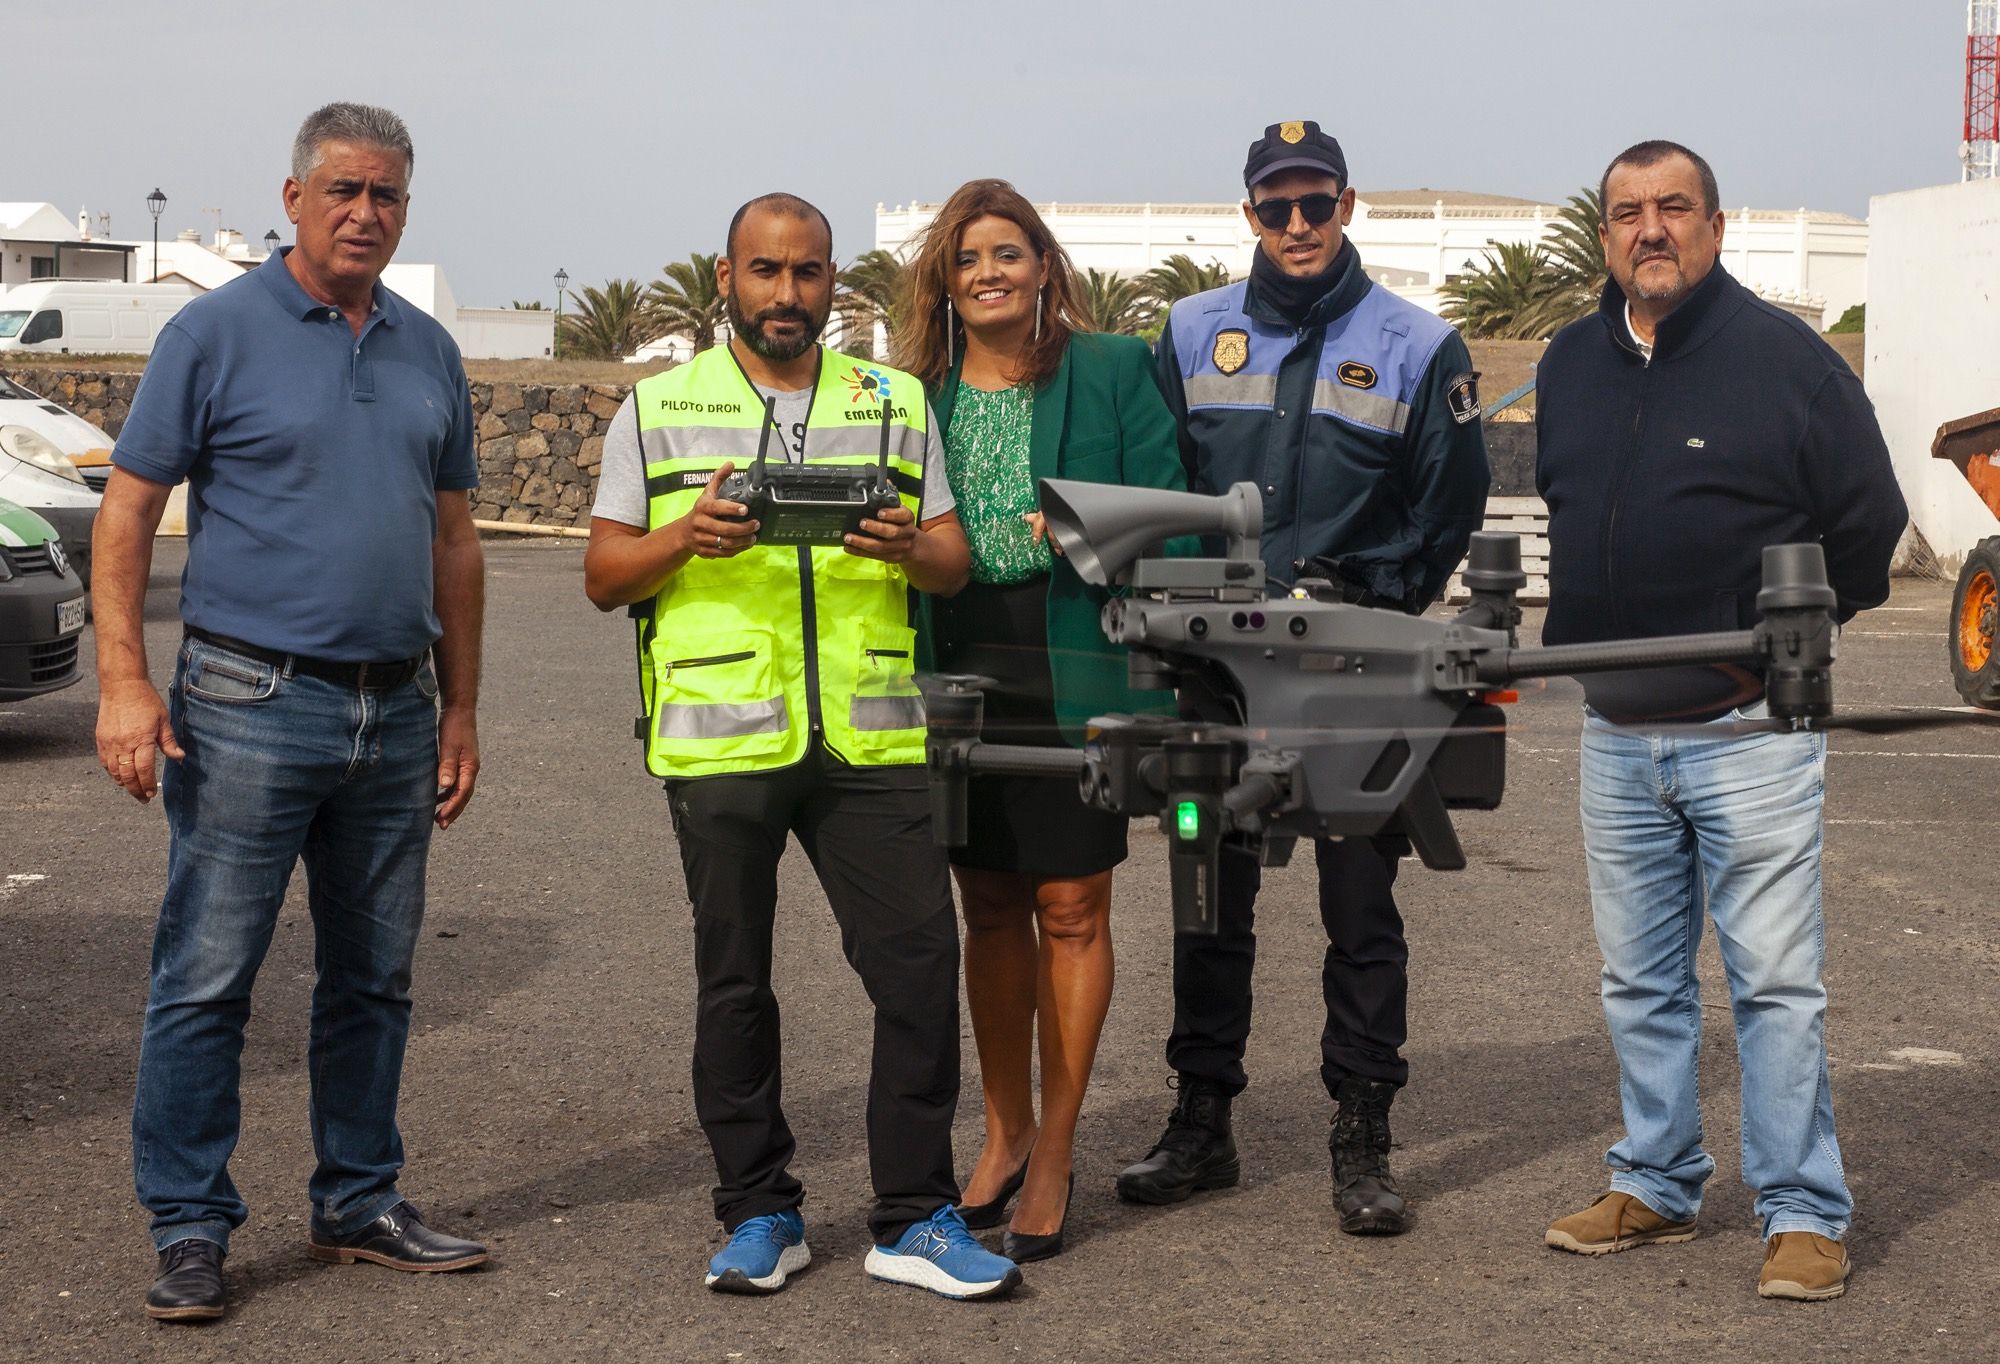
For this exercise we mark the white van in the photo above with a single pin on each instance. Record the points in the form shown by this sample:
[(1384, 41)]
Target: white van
[(80, 316)]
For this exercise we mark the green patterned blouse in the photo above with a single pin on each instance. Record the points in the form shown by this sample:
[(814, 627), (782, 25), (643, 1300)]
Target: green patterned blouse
[(986, 459)]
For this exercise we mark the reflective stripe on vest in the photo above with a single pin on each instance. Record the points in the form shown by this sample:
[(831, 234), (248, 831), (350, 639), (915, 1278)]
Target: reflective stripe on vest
[(1370, 364), (742, 659)]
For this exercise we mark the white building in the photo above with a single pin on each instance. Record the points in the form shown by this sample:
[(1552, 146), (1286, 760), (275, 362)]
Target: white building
[(1412, 241), (1933, 346), (38, 242)]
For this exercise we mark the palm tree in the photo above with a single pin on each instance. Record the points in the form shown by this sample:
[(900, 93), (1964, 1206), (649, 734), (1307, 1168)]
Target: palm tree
[(1113, 303), (608, 323), (1178, 277), (1514, 296), (1575, 258), (687, 302), (867, 292), (1574, 247)]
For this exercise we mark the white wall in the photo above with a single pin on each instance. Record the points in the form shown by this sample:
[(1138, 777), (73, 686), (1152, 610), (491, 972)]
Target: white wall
[(1414, 247), (505, 333), (1933, 343)]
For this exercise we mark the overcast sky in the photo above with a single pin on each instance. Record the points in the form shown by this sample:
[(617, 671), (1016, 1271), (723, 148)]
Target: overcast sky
[(608, 138)]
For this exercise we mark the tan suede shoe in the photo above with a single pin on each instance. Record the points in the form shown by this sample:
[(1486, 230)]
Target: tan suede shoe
[(1613, 1223), (1804, 1266)]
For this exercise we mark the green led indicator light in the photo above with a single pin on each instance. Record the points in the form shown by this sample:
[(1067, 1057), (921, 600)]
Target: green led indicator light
[(1187, 819)]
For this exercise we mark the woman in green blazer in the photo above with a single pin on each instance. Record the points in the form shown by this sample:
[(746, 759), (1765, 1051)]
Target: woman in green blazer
[(1022, 393)]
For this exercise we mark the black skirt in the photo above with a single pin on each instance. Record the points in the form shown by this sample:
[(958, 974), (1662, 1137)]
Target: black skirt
[(1038, 826)]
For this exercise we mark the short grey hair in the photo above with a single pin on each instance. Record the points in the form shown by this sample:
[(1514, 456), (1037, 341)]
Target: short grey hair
[(366, 124)]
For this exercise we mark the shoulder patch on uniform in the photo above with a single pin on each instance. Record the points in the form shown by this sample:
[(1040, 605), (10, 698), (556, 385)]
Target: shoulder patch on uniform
[(1463, 395), (1232, 349), (1355, 374)]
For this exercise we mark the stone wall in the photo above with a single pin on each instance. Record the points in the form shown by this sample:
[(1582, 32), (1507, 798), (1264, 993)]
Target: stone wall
[(98, 397), (539, 444), (539, 448)]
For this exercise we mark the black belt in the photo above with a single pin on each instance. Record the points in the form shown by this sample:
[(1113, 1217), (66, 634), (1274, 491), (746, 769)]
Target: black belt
[(364, 675)]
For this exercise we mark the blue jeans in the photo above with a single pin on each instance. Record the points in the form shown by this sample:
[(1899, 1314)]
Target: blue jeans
[(281, 768), (1668, 821)]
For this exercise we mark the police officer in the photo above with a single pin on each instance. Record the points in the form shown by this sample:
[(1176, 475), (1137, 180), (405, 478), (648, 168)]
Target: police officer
[(777, 683), (1357, 414)]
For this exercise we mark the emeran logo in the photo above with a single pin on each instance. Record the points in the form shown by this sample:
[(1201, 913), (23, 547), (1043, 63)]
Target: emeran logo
[(866, 384)]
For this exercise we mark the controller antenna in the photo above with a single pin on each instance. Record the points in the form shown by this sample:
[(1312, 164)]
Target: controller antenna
[(764, 440), (882, 455)]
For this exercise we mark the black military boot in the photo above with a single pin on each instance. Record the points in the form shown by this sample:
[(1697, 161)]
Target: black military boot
[(1362, 1185), (1195, 1152)]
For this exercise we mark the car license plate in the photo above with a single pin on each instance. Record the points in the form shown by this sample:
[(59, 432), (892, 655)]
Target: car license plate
[(69, 616)]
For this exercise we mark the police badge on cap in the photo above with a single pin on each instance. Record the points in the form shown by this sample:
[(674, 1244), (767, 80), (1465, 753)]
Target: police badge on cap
[(1295, 145)]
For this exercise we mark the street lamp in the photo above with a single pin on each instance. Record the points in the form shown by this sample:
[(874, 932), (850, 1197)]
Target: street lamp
[(157, 202), (271, 242), (562, 283)]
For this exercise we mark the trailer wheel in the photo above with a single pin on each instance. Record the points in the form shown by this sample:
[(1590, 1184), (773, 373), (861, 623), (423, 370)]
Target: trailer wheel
[(1975, 659)]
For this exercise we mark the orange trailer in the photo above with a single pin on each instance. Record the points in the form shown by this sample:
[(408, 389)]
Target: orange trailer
[(1972, 444)]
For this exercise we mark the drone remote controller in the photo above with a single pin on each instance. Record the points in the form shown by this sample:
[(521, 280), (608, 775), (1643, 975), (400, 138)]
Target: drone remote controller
[(803, 504)]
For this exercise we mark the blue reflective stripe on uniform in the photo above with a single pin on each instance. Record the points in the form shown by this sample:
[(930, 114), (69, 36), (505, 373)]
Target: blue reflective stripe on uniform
[(886, 712), (1380, 332), (724, 719)]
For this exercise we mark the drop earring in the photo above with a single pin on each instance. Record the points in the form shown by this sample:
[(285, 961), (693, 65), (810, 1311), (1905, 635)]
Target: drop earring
[(950, 335), (1038, 314)]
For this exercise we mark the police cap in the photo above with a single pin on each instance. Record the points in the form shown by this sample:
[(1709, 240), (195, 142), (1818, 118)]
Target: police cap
[(1294, 146)]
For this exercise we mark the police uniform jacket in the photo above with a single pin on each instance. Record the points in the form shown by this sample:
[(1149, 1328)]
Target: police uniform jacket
[(1360, 427)]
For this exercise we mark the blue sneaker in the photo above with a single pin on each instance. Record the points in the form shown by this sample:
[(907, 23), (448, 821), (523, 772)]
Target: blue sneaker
[(761, 1254), (940, 1254)]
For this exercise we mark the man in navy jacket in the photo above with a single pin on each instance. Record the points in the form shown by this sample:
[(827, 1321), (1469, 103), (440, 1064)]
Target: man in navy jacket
[(1683, 428)]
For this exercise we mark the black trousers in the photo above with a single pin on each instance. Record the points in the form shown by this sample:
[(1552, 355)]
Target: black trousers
[(1365, 976), (867, 832)]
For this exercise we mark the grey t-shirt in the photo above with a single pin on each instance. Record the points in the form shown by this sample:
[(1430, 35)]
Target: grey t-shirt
[(621, 478)]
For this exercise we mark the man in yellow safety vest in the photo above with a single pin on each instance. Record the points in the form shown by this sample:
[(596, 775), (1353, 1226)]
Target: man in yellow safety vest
[(778, 697)]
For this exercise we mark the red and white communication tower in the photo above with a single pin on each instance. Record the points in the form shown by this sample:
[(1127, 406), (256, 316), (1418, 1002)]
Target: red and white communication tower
[(1981, 149)]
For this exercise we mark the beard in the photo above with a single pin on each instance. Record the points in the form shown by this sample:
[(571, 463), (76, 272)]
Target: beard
[(751, 329), (1657, 292)]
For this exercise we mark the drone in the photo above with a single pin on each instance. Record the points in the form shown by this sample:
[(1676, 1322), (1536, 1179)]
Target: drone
[(1302, 715)]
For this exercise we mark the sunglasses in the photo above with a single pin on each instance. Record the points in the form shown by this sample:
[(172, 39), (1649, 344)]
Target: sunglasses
[(1317, 209)]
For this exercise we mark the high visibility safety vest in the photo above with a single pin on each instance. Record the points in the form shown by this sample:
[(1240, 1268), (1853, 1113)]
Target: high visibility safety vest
[(744, 661)]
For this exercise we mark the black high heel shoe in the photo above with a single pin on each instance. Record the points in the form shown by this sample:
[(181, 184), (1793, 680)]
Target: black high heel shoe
[(979, 1216), (1022, 1248)]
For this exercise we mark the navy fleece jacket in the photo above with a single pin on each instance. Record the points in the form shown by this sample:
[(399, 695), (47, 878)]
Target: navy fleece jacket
[(1666, 481)]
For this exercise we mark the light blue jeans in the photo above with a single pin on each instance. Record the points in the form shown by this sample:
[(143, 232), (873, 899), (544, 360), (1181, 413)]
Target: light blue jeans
[(278, 770), (1671, 821)]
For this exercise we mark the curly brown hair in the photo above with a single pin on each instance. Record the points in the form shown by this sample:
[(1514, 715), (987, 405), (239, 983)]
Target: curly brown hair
[(927, 335)]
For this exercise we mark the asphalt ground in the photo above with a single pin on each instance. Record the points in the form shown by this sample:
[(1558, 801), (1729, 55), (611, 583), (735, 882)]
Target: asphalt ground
[(546, 1107)]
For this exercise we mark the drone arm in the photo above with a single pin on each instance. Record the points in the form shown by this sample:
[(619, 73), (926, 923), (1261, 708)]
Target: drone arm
[(1020, 760), (1498, 667)]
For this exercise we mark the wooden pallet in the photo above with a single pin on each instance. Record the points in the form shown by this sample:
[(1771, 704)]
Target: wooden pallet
[(1527, 517)]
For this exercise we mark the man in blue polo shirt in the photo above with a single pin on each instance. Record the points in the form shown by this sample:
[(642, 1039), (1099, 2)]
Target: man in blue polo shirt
[(323, 701)]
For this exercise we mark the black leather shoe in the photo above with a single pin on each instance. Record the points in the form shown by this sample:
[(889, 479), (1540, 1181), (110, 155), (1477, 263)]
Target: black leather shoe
[(1363, 1188), (1197, 1151), (190, 1284), (1023, 1247), (398, 1239), (979, 1216)]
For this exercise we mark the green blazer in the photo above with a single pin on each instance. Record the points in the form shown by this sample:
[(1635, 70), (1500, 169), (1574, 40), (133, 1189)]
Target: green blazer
[(1100, 419)]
